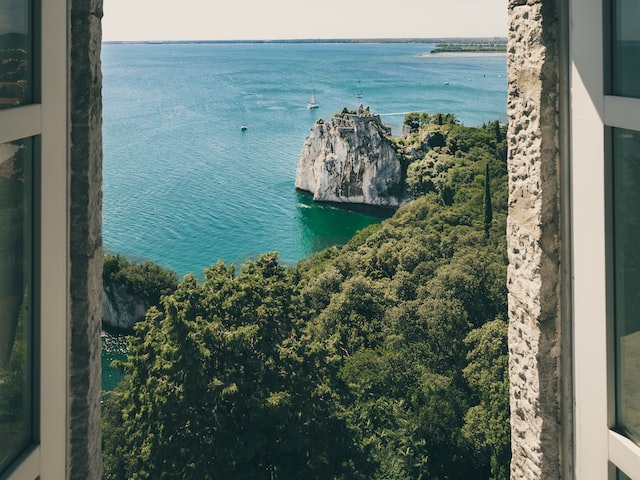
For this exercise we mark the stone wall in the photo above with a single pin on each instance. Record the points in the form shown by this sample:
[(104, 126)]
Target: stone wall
[(85, 262), (533, 236)]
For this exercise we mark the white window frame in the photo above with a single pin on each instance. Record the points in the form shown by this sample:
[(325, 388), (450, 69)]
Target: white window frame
[(48, 119), (598, 450)]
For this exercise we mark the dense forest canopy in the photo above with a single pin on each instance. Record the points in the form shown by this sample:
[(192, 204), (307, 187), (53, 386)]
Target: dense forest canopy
[(385, 358)]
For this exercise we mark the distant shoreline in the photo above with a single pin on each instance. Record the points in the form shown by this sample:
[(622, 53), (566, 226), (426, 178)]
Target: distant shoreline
[(437, 40), (468, 47), (461, 54)]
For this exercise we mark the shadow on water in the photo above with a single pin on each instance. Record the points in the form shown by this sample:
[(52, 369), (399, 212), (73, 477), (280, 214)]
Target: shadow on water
[(327, 224)]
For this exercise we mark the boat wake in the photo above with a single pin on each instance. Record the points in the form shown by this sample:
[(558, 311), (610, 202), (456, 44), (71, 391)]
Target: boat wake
[(393, 114)]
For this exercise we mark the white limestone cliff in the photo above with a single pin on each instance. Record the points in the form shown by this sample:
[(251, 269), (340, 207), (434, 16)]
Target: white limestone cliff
[(121, 309), (349, 159)]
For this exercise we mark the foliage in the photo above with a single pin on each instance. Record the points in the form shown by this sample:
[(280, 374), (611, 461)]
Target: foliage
[(345, 111), (384, 358), (146, 280), (470, 47), (488, 209), (224, 385), (487, 423)]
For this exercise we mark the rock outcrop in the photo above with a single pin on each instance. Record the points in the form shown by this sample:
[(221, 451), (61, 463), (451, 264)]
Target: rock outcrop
[(121, 309), (129, 289), (349, 159)]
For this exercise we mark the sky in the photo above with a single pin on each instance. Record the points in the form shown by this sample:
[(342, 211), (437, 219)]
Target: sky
[(296, 19)]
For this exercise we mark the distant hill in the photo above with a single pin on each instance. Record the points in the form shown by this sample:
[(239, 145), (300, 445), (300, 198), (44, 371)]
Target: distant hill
[(467, 47)]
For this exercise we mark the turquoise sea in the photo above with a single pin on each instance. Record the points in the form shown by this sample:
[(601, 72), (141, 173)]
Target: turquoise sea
[(185, 187)]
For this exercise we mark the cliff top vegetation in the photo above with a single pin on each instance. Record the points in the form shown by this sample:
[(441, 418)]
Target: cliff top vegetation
[(146, 280)]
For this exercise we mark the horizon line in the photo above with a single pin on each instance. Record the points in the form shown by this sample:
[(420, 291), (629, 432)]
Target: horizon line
[(456, 39)]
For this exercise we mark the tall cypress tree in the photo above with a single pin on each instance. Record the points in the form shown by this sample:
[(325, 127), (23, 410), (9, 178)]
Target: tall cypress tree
[(498, 131), (488, 210)]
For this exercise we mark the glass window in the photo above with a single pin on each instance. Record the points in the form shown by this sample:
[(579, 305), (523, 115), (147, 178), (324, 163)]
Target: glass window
[(625, 55), (626, 216), (16, 312), (16, 53), (621, 475)]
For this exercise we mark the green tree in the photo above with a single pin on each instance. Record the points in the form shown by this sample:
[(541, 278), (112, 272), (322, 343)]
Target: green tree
[(498, 131), (211, 390), (488, 210), (487, 423), (412, 120)]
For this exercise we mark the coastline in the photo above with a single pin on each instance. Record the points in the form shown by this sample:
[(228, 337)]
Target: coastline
[(461, 54), (376, 211)]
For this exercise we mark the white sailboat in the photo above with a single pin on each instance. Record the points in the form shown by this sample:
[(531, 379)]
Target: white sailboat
[(243, 125), (312, 102)]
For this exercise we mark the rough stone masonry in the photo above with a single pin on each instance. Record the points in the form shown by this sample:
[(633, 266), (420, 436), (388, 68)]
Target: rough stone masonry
[(85, 248), (533, 240)]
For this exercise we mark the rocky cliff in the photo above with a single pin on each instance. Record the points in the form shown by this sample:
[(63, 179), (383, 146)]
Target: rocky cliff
[(129, 289), (121, 309), (350, 159)]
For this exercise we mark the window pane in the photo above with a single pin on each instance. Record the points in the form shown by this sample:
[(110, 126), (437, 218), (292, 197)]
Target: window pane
[(16, 55), (621, 476), (16, 319), (626, 48), (626, 173)]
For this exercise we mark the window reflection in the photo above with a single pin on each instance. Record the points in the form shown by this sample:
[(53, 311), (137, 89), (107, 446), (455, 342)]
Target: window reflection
[(16, 39), (626, 171), (626, 48), (16, 367)]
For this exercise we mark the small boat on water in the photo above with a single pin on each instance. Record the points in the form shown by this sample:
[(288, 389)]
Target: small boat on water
[(312, 102), (243, 125)]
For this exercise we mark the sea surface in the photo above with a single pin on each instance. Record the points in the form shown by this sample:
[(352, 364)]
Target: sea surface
[(184, 186)]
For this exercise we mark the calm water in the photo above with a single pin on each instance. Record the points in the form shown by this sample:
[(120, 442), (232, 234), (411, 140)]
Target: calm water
[(185, 187)]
